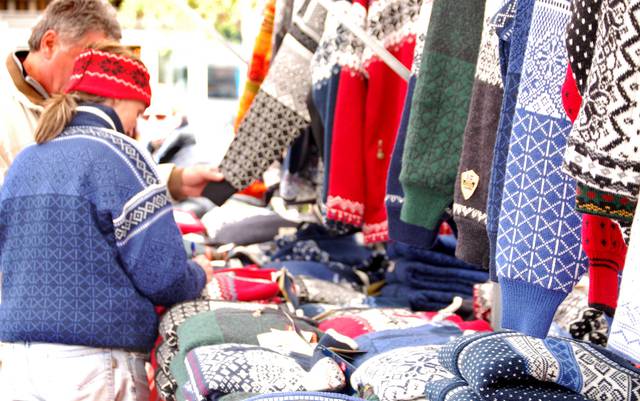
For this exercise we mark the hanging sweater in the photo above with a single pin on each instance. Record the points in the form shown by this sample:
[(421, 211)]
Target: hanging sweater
[(368, 126), (439, 110), (399, 230), (279, 111), (604, 147), (259, 62), (514, 20), (88, 244), (337, 49), (539, 258), (474, 171)]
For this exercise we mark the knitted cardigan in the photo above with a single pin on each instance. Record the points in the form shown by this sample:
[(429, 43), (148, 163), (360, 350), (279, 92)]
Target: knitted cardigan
[(474, 171), (88, 244), (279, 110), (439, 110), (603, 150), (514, 20), (625, 331), (368, 111), (398, 229), (539, 257)]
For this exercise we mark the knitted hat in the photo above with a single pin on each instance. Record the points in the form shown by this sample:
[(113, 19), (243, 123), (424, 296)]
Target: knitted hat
[(110, 75)]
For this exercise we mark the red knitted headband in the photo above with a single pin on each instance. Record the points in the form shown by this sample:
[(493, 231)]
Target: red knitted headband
[(110, 75)]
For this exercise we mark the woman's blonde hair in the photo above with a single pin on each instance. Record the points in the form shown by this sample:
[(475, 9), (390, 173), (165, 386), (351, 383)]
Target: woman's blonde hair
[(60, 109)]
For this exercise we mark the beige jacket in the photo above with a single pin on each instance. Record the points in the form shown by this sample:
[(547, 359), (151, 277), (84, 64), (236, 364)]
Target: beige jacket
[(20, 106)]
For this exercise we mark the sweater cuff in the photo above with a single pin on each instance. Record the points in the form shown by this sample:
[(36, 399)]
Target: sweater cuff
[(473, 242), (528, 308), (423, 206)]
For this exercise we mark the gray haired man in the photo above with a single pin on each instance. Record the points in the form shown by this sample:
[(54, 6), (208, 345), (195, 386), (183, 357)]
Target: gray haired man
[(30, 77)]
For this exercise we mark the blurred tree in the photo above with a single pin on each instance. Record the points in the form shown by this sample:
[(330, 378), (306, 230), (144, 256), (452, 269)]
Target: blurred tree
[(225, 15)]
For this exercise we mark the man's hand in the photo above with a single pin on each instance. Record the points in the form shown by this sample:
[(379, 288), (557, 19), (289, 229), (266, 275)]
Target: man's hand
[(190, 181), (205, 264)]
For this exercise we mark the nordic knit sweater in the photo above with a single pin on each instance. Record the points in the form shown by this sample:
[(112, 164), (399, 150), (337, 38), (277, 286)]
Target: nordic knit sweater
[(539, 257), (88, 244), (279, 111), (367, 119), (337, 49), (515, 20), (398, 229), (474, 171), (625, 331), (604, 147), (439, 110)]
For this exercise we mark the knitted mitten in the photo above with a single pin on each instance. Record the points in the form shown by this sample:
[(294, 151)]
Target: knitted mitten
[(602, 242)]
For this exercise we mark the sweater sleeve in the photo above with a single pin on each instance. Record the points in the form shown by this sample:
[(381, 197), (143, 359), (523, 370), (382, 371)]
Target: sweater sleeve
[(136, 205)]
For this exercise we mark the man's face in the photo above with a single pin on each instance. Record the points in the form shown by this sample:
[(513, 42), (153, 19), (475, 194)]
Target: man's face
[(63, 57)]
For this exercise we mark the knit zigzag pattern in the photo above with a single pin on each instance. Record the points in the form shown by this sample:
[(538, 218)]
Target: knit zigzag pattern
[(603, 149)]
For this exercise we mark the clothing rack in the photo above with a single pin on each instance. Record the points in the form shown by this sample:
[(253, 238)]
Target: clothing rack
[(373, 44)]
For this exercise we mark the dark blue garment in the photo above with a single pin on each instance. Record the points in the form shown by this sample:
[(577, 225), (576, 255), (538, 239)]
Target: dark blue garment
[(416, 274), (513, 43), (387, 340), (88, 243), (425, 300), (333, 272), (399, 230), (407, 274), (324, 96), (304, 396), (399, 251)]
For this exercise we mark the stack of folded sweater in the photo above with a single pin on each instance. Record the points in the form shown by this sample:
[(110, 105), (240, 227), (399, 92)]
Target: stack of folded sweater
[(429, 279)]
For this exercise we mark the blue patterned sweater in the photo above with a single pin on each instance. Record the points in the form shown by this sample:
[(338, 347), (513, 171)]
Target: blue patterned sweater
[(88, 244)]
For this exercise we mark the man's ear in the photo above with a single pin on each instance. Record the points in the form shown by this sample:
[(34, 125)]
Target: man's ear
[(50, 40)]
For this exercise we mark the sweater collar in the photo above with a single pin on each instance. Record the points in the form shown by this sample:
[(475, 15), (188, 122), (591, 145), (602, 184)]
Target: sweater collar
[(96, 115), (27, 85)]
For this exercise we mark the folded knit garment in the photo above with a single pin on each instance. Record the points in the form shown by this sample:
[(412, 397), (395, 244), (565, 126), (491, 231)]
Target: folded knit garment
[(439, 110), (422, 299), (178, 314), (495, 364), (385, 341), (315, 290), (423, 275), (538, 255), (399, 375), (279, 110), (241, 285), (474, 171), (215, 370), (304, 396), (602, 150), (625, 330)]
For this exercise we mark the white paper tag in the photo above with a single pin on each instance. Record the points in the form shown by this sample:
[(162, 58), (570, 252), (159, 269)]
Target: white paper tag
[(288, 341)]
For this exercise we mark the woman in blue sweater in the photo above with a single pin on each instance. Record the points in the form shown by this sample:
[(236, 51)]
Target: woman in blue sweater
[(88, 244)]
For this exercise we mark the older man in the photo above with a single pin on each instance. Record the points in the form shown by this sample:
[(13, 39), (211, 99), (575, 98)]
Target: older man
[(29, 78)]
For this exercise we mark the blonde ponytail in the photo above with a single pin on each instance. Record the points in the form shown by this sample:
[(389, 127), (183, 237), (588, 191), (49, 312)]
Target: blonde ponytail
[(58, 112)]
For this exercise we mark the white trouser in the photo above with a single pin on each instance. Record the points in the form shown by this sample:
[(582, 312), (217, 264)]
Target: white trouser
[(54, 372)]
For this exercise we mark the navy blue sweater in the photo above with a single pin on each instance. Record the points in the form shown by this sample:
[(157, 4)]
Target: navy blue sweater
[(88, 244)]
